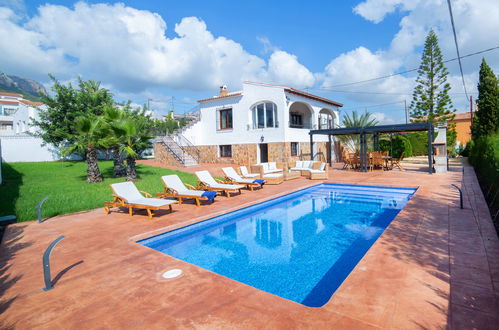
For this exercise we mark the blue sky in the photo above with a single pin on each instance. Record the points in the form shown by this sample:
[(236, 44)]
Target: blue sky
[(158, 49)]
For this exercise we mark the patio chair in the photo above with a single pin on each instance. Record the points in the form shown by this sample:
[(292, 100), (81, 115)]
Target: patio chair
[(127, 195), (246, 174), (318, 174), (234, 178), (396, 162), (207, 182), (174, 187)]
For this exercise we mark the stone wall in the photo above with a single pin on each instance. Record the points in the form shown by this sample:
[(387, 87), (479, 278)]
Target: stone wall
[(246, 154), (164, 156)]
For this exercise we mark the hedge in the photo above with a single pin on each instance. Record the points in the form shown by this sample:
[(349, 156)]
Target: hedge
[(484, 156)]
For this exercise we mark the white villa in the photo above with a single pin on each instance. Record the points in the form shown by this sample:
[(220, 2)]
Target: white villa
[(261, 123), (17, 144)]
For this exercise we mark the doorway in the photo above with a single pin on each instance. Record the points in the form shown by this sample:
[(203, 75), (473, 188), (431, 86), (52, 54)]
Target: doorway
[(264, 152)]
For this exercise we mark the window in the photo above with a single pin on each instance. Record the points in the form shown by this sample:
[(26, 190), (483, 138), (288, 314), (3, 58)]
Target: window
[(264, 115), (296, 120), (225, 119), (295, 148), (325, 120), (226, 151)]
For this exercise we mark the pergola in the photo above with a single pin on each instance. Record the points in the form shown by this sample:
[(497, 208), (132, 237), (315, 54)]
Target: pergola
[(375, 131)]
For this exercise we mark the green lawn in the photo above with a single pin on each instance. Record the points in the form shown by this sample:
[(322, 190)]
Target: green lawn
[(25, 184)]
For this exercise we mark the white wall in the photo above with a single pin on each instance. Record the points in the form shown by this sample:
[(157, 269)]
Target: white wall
[(26, 149)]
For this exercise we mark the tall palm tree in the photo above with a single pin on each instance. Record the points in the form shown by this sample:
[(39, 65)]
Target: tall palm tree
[(92, 134), (134, 140), (113, 117), (363, 120)]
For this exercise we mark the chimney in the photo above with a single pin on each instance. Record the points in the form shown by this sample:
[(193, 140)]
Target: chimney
[(223, 90)]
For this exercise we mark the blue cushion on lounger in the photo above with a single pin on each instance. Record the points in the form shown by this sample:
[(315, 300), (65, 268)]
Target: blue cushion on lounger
[(259, 181), (209, 194)]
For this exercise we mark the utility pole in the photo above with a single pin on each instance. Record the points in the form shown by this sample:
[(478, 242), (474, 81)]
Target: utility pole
[(471, 109), (406, 113)]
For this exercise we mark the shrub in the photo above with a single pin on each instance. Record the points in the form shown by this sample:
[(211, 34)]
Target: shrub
[(385, 145), (401, 144), (484, 156), (419, 143)]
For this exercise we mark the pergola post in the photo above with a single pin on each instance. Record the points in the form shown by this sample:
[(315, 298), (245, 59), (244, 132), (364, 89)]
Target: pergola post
[(430, 148), (376, 141), (311, 146), (363, 151), (330, 150)]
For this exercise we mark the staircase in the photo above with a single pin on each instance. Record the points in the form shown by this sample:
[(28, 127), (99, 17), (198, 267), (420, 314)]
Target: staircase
[(177, 146)]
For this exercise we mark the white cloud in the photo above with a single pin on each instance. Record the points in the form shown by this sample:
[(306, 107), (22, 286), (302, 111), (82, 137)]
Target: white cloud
[(383, 118), (128, 49), (284, 68), (376, 10)]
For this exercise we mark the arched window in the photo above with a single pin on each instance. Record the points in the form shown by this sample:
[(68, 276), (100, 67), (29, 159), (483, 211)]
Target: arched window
[(264, 115), (326, 119)]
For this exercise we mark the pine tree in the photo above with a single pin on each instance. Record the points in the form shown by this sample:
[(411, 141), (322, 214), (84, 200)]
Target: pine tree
[(486, 119), (431, 101)]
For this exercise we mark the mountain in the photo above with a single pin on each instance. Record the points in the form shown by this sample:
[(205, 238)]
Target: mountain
[(30, 89)]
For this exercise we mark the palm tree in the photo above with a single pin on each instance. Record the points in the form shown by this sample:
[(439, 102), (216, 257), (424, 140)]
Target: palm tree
[(113, 117), (356, 120), (92, 134), (134, 140)]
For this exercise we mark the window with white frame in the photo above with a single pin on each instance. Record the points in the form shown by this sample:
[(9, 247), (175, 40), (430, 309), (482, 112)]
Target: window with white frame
[(295, 148), (224, 119), (264, 115), (225, 150)]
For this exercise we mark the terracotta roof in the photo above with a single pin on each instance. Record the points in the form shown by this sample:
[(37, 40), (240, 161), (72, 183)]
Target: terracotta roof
[(28, 102), (221, 97), (11, 94), (462, 116), (9, 102), (299, 92), (313, 96)]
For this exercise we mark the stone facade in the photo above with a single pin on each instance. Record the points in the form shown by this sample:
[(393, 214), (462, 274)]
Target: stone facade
[(162, 155)]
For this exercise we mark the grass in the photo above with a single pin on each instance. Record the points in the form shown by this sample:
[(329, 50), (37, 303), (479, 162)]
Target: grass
[(25, 184)]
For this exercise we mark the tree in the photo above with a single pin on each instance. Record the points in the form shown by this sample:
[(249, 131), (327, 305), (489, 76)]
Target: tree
[(486, 119), (114, 117), (57, 121), (356, 120), (431, 101), (92, 133), (134, 140)]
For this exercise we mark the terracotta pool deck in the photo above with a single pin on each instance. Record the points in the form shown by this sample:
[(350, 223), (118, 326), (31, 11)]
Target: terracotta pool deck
[(435, 266)]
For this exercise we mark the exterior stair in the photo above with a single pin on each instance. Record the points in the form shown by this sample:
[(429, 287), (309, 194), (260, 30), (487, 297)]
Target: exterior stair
[(178, 147)]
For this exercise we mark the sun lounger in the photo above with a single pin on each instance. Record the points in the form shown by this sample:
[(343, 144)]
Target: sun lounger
[(234, 178), (246, 175), (207, 182), (127, 195), (174, 187)]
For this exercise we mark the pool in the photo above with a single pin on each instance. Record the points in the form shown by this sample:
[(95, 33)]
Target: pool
[(300, 246)]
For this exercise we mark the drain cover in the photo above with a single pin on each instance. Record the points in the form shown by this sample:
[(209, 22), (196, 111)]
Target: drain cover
[(172, 273)]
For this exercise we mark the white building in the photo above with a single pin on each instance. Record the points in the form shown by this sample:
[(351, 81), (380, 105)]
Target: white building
[(16, 139), (263, 122)]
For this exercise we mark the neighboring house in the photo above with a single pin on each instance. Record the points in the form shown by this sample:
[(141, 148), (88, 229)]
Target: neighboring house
[(16, 139), (261, 123), (463, 127)]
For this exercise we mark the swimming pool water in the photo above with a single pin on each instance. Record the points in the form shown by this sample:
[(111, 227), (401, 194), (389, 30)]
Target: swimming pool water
[(300, 246)]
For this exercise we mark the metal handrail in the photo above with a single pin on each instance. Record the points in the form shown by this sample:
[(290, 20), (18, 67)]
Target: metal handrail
[(46, 264), (460, 195), (180, 159), (39, 209), (182, 139)]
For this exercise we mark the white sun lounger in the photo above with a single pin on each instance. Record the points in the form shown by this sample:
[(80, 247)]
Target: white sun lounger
[(174, 187), (208, 183), (246, 174), (232, 175), (127, 195)]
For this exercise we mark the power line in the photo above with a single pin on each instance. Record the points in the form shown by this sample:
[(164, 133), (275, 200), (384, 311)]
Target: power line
[(411, 70), (457, 48)]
